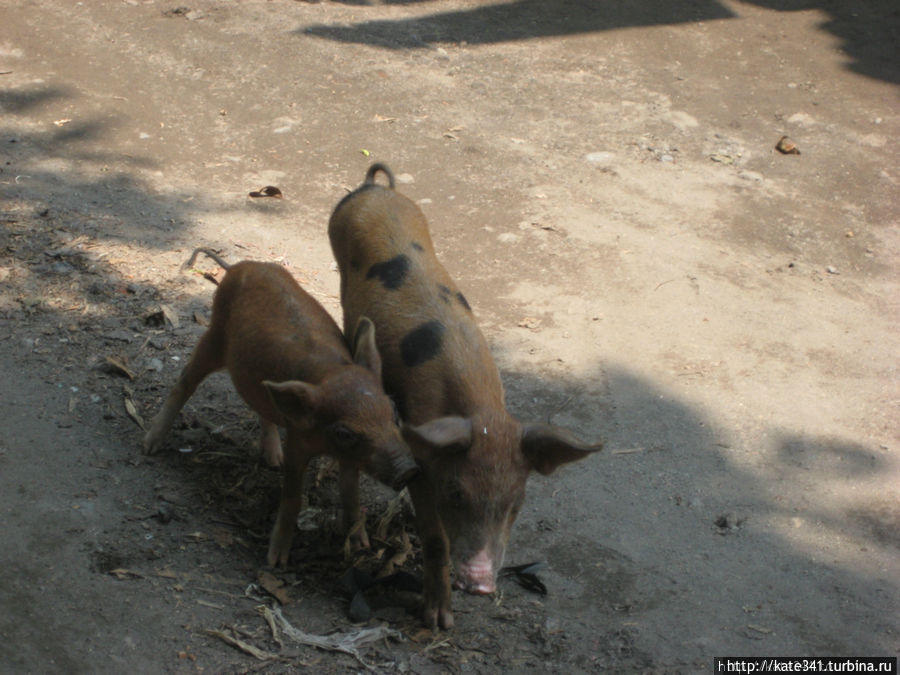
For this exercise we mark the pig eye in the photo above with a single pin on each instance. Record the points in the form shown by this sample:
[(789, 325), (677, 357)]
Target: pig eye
[(344, 437)]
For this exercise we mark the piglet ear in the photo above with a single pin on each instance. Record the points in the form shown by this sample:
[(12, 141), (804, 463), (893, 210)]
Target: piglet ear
[(445, 434), (296, 401), (365, 351), (546, 447)]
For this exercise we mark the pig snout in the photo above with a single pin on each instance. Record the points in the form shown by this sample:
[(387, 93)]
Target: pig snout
[(477, 574)]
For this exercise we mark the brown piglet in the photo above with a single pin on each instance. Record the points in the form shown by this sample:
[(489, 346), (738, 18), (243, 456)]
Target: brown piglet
[(290, 362), (474, 455)]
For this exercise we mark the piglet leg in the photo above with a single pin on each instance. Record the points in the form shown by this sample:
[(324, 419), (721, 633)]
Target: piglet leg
[(354, 523), (206, 358), (270, 442), (436, 554), (296, 459)]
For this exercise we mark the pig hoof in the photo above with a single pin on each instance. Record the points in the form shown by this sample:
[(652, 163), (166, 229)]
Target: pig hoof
[(271, 447), (274, 458), (278, 558), (435, 618), (152, 443), (445, 618), (359, 541)]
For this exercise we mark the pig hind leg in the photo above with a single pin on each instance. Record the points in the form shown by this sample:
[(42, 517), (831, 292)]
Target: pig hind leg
[(207, 358)]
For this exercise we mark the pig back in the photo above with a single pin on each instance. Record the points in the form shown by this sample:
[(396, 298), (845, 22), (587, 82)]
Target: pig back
[(435, 360), (273, 330)]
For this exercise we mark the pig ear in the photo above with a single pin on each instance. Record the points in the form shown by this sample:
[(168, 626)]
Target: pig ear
[(442, 434), (296, 400), (546, 447), (365, 351)]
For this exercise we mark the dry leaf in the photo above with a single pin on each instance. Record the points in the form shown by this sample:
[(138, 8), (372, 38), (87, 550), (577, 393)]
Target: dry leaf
[(161, 316), (274, 587), (122, 573), (118, 364), (133, 413), (396, 561)]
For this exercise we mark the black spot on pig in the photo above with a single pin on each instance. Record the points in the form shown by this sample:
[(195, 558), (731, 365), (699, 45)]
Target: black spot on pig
[(463, 301), (391, 272), (422, 343), (444, 293), (417, 246)]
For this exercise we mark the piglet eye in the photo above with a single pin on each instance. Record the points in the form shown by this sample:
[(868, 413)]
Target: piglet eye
[(343, 436)]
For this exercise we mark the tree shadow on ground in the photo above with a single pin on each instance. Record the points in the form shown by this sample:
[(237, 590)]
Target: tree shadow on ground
[(680, 517), (52, 174), (869, 31), (519, 20)]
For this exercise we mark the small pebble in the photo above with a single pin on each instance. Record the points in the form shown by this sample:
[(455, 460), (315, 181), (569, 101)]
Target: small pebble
[(601, 157), (831, 270)]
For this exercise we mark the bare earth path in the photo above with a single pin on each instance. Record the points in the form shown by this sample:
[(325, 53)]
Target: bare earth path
[(601, 179)]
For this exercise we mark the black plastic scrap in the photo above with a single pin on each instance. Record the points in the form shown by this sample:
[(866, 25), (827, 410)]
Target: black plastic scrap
[(356, 582), (526, 576)]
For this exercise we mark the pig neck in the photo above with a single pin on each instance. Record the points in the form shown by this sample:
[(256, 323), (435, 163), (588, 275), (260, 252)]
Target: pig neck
[(317, 368), (475, 393)]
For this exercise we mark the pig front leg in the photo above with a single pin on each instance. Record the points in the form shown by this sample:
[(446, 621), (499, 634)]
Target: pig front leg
[(270, 442), (436, 554), (354, 522), (296, 458)]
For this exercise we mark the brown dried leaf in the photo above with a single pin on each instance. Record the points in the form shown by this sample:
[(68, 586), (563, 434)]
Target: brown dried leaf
[(268, 191), (122, 573), (274, 587), (396, 561), (119, 364), (133, 413), (161, 316)]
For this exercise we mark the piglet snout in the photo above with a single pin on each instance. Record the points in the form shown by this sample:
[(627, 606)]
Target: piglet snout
[(405, 471), (395, 467), (476, 575)]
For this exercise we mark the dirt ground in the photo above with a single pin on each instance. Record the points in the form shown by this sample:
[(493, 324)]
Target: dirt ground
[(601, 178)]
